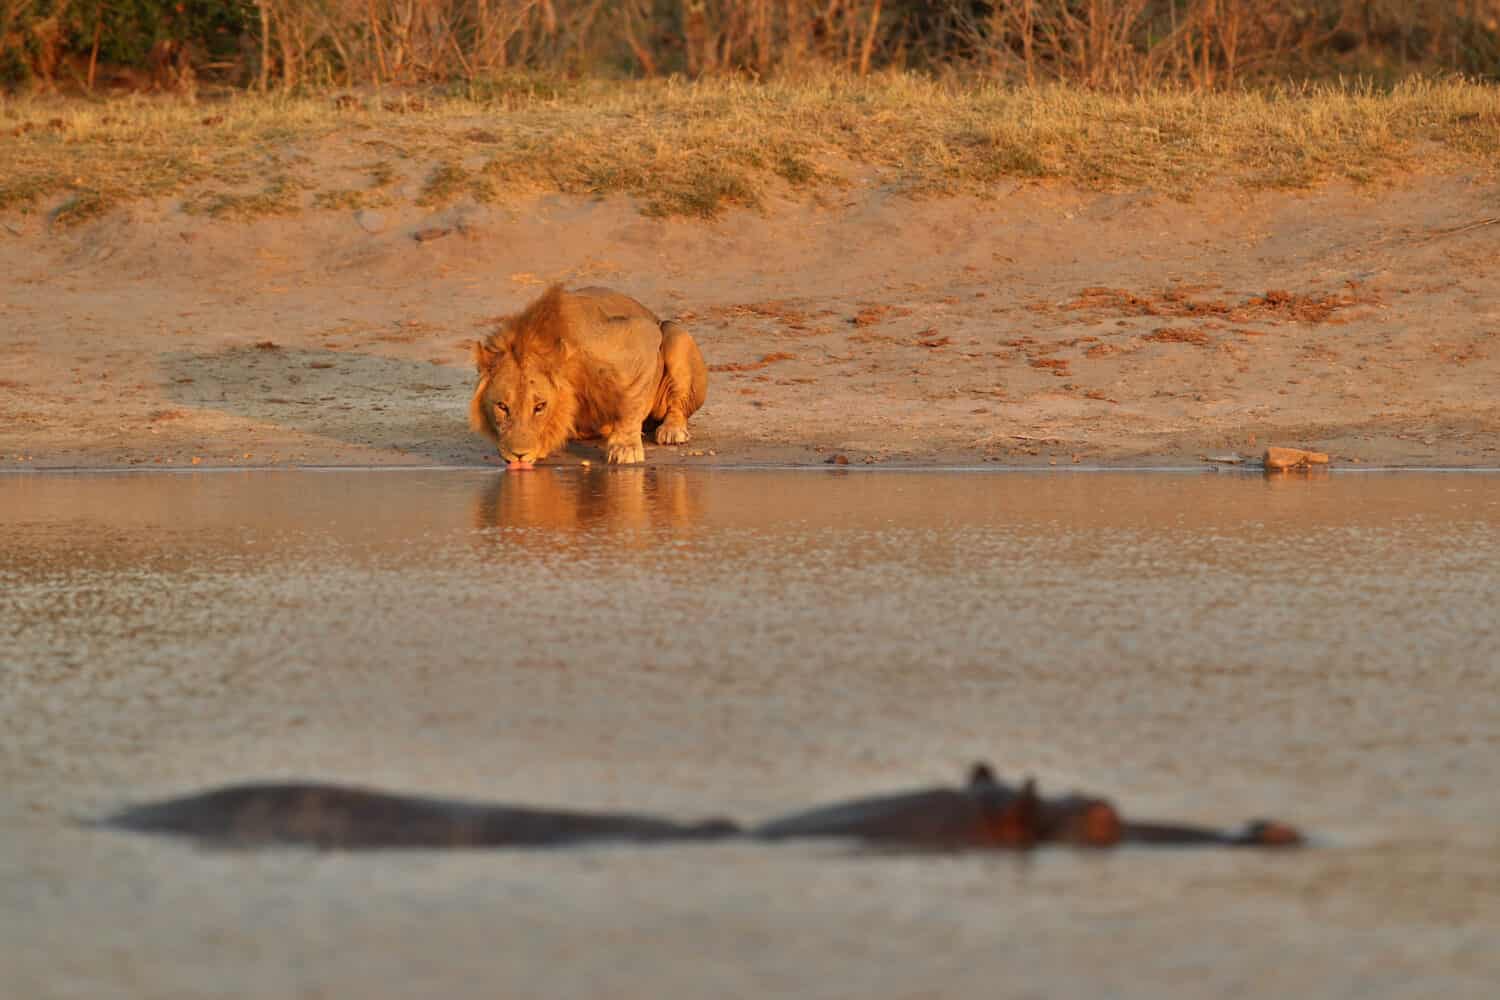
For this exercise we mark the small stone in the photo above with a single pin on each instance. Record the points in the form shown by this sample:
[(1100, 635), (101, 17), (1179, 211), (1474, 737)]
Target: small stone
[(370, 222), (837, 460), (1292, 458)]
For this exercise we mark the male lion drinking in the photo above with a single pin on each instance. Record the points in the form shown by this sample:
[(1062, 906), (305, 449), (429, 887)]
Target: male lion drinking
[(583, 364)]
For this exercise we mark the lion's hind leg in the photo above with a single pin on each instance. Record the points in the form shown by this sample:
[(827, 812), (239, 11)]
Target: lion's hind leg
[(684, 384)]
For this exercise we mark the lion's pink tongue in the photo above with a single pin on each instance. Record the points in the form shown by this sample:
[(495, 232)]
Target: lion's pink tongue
[(520, 465)]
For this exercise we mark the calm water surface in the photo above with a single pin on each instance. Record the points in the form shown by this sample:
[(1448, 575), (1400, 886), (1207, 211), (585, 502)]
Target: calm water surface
[(1197, 646)]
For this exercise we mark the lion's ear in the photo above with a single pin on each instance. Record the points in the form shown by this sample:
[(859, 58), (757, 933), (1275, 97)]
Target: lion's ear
[(484, 356), (565, 348)]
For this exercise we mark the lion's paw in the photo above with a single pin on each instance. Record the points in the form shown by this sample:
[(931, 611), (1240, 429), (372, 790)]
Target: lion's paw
[(628, 453), (672, 434)]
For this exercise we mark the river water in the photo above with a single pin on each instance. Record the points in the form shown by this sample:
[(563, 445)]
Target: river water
[(1197, 646)]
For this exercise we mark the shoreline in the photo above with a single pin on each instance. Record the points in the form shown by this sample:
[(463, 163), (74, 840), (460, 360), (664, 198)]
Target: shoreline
[(1251, 469)]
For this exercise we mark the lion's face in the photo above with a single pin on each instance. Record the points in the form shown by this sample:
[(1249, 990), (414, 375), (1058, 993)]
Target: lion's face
[(525, 405)]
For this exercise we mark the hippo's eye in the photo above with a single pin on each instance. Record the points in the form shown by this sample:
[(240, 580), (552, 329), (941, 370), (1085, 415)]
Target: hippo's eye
[(505, 410), (540, 406)]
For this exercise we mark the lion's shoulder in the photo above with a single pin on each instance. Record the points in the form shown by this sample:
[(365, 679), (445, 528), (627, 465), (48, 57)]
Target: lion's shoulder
[(611, 328), (603, 310)]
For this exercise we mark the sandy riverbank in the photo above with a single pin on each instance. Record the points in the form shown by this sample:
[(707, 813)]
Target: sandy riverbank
[(1041, 325)]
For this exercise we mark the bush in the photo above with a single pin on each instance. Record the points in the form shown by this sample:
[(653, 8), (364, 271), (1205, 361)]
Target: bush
[(1107, 44)]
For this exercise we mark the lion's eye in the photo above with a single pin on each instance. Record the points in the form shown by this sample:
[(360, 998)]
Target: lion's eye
[(503, 408), (540, 406)]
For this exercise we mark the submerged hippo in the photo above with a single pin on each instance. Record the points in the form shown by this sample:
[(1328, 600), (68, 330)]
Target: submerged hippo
[(988, 813), (340, 816), (984, 813)]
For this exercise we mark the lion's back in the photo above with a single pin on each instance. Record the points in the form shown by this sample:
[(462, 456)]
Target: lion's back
[(614, 328)]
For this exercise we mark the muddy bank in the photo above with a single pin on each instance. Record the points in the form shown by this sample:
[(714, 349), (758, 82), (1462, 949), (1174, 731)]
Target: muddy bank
[(1040, 326)]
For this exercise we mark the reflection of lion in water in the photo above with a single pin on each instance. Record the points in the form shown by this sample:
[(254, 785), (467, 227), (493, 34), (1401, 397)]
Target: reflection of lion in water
[(590, 363), (636, 506)]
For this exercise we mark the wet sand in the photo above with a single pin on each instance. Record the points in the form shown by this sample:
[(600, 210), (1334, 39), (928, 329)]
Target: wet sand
[(1206, 647)]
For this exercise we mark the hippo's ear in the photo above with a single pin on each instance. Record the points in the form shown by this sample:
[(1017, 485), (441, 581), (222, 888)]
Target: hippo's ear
[(484, 354), (981, 775)]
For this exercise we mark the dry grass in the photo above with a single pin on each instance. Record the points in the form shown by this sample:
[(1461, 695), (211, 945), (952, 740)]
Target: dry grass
[(696, 148), (280, 195)]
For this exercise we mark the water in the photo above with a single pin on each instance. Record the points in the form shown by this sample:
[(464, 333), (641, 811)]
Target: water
[(1205, 647)]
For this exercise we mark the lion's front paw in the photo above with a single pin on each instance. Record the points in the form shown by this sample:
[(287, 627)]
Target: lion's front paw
[(672, 433), (625, 452)]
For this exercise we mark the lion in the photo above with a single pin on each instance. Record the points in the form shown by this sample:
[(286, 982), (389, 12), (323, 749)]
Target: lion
[(585, 364)]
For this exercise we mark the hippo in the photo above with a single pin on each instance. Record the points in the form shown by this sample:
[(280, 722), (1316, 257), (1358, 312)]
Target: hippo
[(350, 818), (987, 813), (983, 813)]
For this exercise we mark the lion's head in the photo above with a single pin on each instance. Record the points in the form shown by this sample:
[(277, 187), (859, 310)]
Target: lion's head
[(526, 399)]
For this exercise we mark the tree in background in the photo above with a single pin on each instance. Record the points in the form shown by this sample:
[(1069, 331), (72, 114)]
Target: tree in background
[(1109, 44)]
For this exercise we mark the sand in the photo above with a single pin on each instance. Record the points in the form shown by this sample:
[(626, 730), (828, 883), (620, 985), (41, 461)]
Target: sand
[(1043, 325)]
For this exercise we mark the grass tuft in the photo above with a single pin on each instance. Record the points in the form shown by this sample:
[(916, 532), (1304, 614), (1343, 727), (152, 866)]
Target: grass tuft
[(81, 207), (282, 195), (446, 182)]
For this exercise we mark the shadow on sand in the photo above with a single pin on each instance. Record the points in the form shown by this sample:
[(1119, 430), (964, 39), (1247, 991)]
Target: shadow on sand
[(416, 408), (413, 407)]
